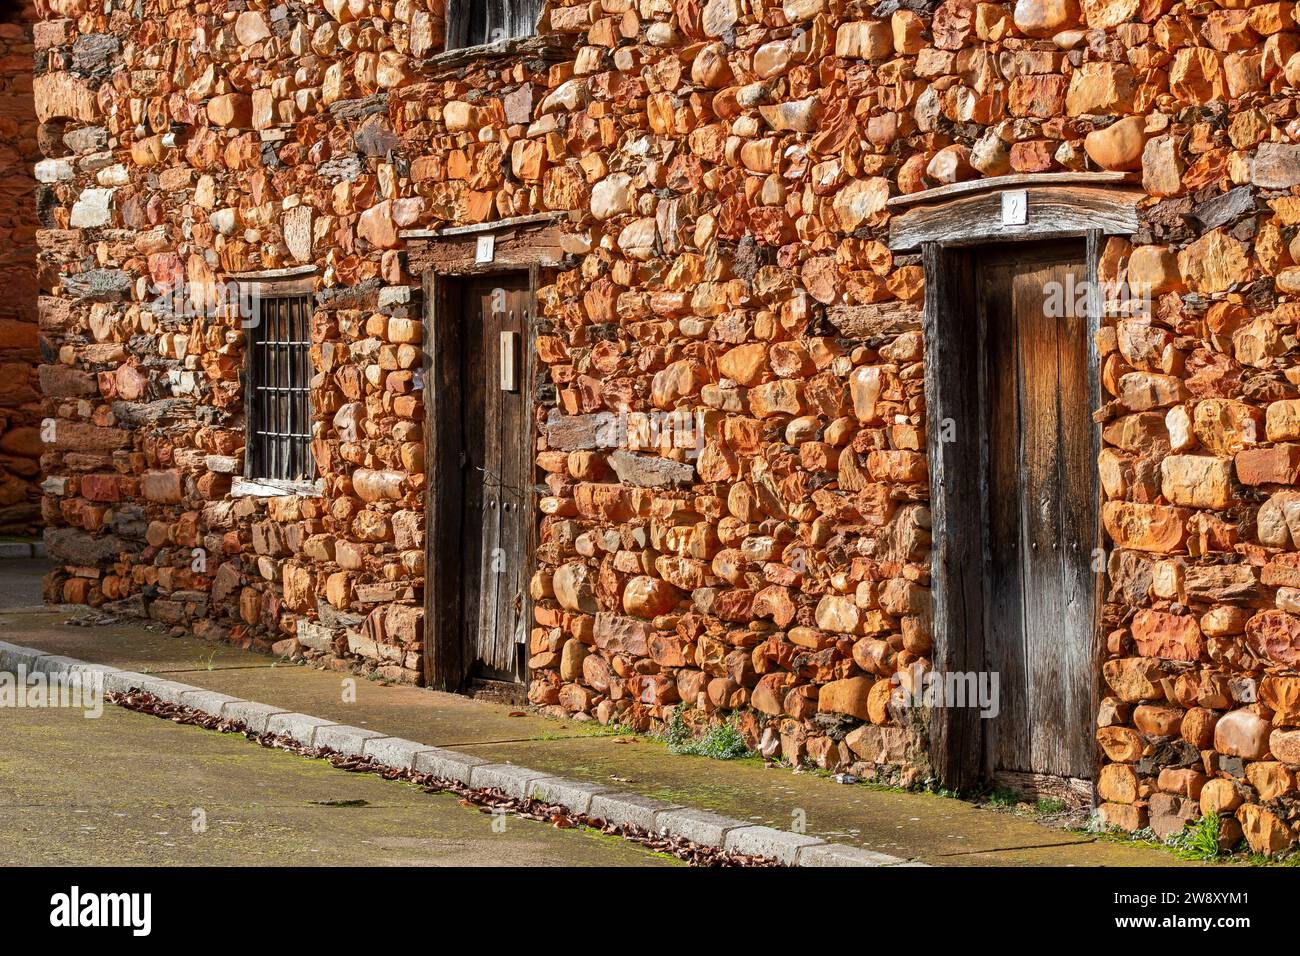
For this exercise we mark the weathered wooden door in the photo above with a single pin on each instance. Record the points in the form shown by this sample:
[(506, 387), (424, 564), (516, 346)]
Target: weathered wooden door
[(496, 470), (1040, 507)]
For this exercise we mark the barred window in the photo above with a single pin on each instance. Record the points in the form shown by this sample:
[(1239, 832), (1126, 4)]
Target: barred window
[(474, 22), (279, 391)]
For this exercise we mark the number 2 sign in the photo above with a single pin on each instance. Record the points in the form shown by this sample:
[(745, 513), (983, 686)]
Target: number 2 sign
[(1015, 207)]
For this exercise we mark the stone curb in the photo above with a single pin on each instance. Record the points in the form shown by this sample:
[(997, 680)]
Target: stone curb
[(619, 807), (18, 550)]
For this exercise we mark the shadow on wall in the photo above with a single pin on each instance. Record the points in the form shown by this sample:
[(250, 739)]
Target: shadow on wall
[(20, 410)]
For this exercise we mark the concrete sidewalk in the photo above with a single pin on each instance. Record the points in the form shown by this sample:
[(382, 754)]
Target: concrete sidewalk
[(124, 790), (921, 827)]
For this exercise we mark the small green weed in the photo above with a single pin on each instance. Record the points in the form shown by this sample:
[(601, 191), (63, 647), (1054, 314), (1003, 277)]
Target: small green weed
[(1198, 840), (1002, 797), (722, 741)]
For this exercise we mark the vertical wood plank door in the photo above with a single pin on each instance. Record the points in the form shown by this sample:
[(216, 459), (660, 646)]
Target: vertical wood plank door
[(1040, 507), (496, 465)]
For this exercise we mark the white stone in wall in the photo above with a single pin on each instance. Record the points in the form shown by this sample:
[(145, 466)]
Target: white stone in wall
[(611, 196), (297, 233), (96, 161), (54, 170), (115, 175), (316, 636), (92, 209), (223, 221), (182, 382), (394, 295), (222, 464)]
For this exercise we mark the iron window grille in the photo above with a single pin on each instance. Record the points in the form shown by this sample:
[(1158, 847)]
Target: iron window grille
[(279, 412), (476, 22)]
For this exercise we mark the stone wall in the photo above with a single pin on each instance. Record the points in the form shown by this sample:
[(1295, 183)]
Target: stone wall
[(195, 144), (20, 445), (727, 167)]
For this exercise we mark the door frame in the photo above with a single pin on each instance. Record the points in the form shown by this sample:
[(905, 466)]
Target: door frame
[(445, 259), (948, 226)]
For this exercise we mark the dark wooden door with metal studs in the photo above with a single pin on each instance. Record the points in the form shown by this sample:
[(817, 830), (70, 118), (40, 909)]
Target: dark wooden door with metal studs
[(1040, 507), (496, 470)]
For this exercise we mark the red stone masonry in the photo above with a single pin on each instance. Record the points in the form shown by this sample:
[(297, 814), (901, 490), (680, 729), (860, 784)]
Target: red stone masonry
[(725, 166), (20, 444)]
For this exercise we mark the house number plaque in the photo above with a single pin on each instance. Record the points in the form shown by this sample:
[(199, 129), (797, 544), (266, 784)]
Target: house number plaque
[(1015, 207)]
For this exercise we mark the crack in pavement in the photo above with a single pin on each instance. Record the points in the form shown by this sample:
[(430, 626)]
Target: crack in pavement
[(208, 670), (1027, 846), (513, 740)]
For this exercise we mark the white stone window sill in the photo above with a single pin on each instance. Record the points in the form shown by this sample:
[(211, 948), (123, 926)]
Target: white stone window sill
[(275, 488)]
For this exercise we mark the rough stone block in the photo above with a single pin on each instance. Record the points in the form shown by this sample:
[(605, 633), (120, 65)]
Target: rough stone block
[(511, 780), (251, 714), (344, 739), (394, 751), (447, 764), (299, 727), (629, 809), (573, 794), (780, 845), (698, 826)]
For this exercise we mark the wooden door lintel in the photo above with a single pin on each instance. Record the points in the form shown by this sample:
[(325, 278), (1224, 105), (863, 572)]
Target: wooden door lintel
[(1051, 210)]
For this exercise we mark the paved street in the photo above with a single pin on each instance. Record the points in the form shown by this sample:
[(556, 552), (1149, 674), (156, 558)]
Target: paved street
[(124, 789), (20, 582)]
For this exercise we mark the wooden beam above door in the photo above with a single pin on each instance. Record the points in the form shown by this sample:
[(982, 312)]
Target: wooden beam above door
[(986, 184), (1049, 212), (517, 244)]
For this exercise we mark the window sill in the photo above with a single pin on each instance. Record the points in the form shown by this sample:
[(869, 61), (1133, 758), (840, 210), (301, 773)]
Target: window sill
[(274, 488)]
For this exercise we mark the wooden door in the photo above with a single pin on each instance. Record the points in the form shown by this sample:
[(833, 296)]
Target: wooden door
[(1040, 508), (496, 468)]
